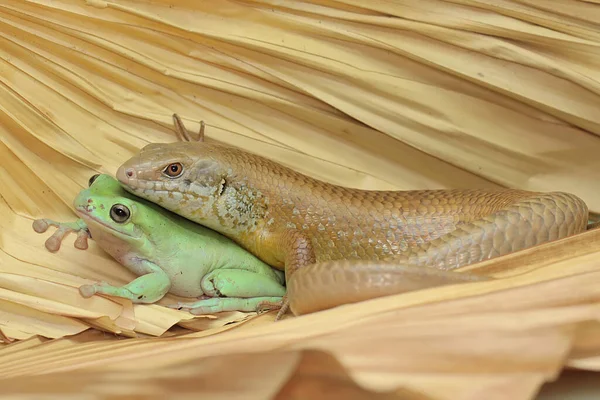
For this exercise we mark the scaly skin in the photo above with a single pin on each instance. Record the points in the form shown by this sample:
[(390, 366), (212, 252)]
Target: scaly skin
[(363, 244), (167, 252)]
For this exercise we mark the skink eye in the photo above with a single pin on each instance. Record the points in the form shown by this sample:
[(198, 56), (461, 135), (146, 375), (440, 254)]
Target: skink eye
[(119, 213), (92, 179), (173, 170)]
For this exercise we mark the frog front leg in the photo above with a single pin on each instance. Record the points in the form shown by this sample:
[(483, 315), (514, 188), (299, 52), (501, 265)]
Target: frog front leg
[(234, 290), (64, 228), (147, 288)]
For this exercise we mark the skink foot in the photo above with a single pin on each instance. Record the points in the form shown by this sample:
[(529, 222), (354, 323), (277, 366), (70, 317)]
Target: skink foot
[(282, 305)]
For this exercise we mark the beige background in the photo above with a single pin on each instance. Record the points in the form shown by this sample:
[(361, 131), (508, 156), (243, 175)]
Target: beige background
[(404, 94)]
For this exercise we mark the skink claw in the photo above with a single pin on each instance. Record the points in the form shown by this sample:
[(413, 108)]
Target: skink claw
[(282, 306)]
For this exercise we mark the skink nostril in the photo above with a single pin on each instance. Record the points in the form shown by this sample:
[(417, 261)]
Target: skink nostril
[(129, 173)]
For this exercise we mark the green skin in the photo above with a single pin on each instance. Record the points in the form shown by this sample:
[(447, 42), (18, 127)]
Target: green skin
[(168, 253)]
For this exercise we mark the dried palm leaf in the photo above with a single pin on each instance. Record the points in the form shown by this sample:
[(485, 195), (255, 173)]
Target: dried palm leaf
[(401, 94)]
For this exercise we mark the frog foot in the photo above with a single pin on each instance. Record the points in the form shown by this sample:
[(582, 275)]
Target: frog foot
[(187, 305), (178, 306), (64, 228), (87, 291), (220, 304)]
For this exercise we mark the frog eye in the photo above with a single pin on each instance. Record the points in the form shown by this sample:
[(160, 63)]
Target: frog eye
[(92, 179), (173, 170), (119, 213)]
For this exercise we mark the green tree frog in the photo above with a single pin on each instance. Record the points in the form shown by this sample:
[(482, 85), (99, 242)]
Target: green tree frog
[(167, 252)]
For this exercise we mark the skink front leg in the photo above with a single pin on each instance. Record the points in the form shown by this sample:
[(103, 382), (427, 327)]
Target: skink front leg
[(297, 253)]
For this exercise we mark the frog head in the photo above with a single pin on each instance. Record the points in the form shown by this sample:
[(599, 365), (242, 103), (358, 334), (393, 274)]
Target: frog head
[(113, 217)]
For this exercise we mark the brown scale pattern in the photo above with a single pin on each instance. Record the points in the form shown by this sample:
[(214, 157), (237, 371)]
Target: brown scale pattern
[(431, 227), (313, 221)]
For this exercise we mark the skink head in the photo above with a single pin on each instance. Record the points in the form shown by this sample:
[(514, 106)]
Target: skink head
[(182, 177), (206, 183)]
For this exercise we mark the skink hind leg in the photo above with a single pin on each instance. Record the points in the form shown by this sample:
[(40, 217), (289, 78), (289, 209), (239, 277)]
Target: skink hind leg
[(183, 135), (523, 224)]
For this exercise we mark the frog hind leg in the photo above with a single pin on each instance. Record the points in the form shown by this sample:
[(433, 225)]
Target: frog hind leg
[(222, 304), (234, 290)]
